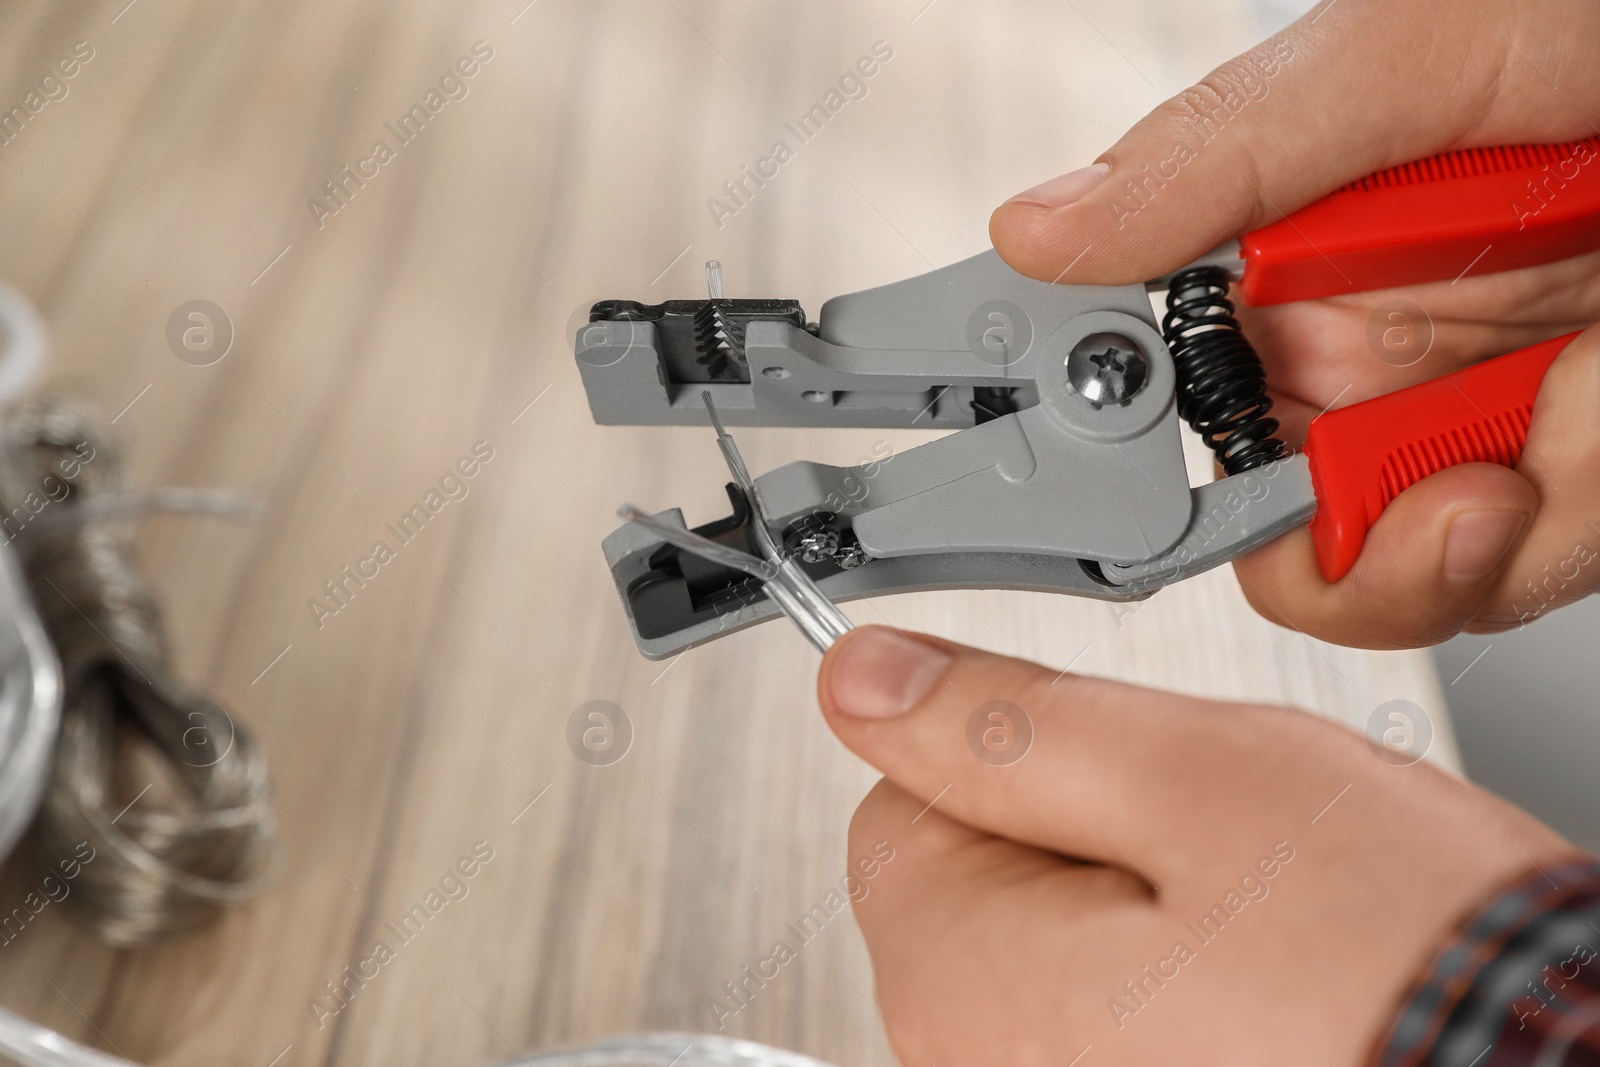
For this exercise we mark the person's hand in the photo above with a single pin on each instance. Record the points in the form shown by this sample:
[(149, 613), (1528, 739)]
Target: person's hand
[(1165, 879), (1352, 88)]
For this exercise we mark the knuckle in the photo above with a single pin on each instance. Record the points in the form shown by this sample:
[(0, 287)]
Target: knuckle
[(1196, 104), (1221, 95)]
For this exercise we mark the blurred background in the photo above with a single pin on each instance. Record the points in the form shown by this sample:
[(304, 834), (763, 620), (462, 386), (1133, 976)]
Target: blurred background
[(1524, 705), (381, 330)]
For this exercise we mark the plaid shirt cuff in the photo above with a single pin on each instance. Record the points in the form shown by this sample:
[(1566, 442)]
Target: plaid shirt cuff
[(1519, 985)]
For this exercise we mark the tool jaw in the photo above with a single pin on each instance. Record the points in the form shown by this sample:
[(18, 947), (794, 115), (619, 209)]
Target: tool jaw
[(667, 617), (945, 350), (675, 602)]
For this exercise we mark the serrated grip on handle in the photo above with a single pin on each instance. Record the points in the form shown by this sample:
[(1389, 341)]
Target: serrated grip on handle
[(1475, 211), (1365, 455)]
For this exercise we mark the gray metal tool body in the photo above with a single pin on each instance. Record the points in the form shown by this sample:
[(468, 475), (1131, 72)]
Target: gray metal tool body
[(1066, 473)]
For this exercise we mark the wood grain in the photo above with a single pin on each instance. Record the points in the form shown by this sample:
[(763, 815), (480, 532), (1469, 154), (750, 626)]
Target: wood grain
[(426, 316)]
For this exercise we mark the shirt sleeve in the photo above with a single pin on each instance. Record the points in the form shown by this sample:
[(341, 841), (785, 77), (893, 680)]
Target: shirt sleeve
[(1517, 986)]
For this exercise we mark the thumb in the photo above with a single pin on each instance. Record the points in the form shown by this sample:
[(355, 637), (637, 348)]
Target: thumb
[(1082, 767), (1321, 104)]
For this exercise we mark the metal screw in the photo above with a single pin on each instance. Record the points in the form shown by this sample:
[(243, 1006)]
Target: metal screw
[(816, 545), (1107, 368), (852, 557)]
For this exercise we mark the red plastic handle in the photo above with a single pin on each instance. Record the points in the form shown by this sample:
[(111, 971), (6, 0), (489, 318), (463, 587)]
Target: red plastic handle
[(1481, 210), (1365, 455)]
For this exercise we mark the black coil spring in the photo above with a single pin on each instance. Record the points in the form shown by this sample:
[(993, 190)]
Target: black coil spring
[(1222, 386)]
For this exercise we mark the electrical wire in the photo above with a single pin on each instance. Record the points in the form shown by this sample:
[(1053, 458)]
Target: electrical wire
[(89, 642), (156, 871), (789, 587)]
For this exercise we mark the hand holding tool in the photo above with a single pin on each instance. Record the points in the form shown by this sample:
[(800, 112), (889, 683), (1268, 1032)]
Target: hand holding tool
[(1067, 472)]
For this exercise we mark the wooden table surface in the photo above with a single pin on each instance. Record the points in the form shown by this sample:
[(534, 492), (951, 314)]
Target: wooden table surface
[(377, 345)]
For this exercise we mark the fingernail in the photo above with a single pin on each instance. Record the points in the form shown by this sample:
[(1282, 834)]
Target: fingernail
[(1477, 542), (879, 673), (1067, 189)]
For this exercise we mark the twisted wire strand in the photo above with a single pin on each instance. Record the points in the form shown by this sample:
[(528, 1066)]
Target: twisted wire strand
[(153, 872)]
